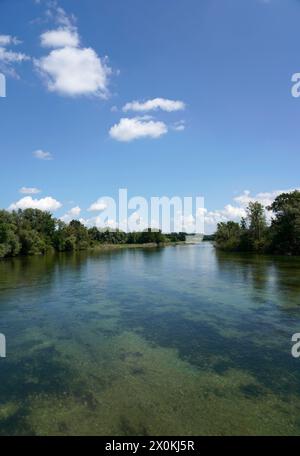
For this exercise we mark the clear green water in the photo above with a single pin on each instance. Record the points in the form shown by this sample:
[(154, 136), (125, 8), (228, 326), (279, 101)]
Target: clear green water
[(180, 340)]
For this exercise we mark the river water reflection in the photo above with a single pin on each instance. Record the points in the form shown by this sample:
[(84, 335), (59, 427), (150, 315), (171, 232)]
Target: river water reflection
[(179, 340)]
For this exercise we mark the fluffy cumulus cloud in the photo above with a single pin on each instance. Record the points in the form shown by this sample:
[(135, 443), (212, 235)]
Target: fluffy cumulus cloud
[(71, 214), (29, 190), (75, 211), (229, 212), (9, 58), (60, 38), (265, 198), (98, 205), (42, 155), (145, 126), (74, 71), (155, 104), (70, 69), (135, 128), (44, 204)]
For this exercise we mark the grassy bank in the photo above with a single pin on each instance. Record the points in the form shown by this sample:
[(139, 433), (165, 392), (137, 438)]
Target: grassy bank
[(151, 245)]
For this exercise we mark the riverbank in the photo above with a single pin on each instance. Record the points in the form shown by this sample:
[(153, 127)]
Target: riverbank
[(106, 248), (150, 245)]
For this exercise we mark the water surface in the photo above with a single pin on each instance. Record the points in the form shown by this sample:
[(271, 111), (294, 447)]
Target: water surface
[(181, 340)]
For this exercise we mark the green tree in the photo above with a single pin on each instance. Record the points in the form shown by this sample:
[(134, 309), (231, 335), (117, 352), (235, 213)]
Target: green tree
[(285, 227), (257, 225), (79, 232), (9, 240), (227, 236), (32, 243)]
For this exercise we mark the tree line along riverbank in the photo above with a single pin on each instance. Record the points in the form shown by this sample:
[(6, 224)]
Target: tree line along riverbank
[(34, 232), (280, 235)]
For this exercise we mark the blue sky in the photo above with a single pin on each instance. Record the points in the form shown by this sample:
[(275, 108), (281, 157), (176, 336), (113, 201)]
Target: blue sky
[(225, 122)]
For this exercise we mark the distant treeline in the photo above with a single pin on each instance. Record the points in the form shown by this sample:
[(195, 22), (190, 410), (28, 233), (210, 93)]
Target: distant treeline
[(209, 237), (33, 232), (254, 234)]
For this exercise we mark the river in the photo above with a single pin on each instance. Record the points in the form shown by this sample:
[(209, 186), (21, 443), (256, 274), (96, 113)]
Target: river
[(177, 340)]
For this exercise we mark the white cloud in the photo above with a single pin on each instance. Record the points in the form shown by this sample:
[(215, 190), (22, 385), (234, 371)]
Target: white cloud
[(44, 204), (179, 126), (73, 71), (7, 57), (11, 57), (60, 38), (75, 211), (265, 198), (155, 104), (98, 205), (129, 129), (29, 190), (100, 223), (56, 13), (229, 212), (62, 18), (71, 214), (42, 155), (233, 212), (6, 40), (70, 69)]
